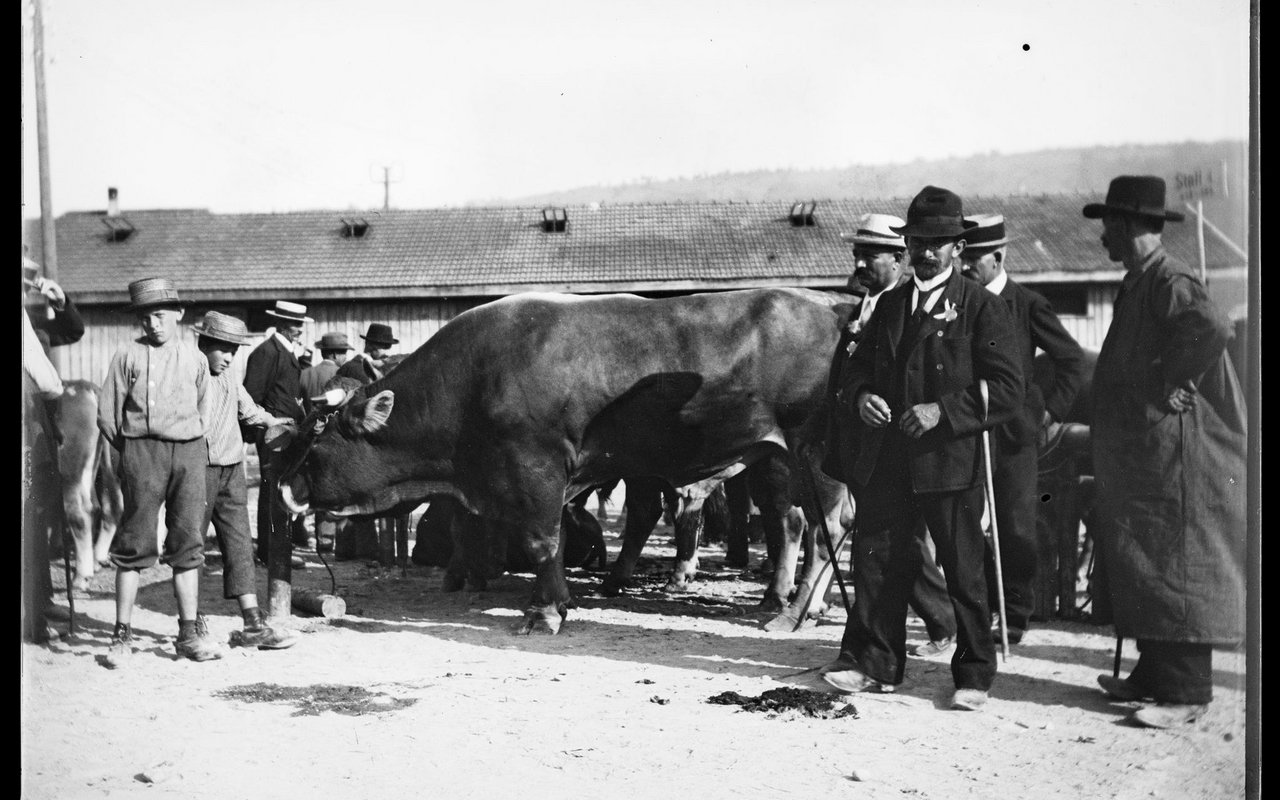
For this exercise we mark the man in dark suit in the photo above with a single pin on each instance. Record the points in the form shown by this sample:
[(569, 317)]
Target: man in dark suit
[(368, 366), (880, 264), (271, 376), (915, 381), (1014, 443)]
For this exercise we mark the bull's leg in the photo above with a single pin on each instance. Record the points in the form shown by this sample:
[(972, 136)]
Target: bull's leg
[(789, 527), (550, 602), (643, 508), (738, 497), (688, 530), (110, 502), (808, 600), (77, 504)]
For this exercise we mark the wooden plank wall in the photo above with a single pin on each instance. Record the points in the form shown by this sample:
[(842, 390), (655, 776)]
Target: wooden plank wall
[(1089, 330)]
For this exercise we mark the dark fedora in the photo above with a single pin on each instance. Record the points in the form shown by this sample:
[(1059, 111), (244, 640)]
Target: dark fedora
[(1135, 195), (292, 312), (987, 232), (333, 341), (154, 292), (934, 212), (379, 334), (223, 327)]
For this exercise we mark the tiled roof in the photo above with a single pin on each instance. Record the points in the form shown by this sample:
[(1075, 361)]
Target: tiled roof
[(491, 251)]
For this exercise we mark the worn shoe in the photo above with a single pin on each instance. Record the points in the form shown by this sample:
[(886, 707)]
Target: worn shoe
[(968, 699), (1166, 715), (932, 649), (1122, 689), (199, 646), (265, 637), (119, 651), (1015, 635), (851, 681)]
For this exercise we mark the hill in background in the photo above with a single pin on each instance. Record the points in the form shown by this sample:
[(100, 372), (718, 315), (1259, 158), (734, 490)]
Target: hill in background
[(1084, 171)]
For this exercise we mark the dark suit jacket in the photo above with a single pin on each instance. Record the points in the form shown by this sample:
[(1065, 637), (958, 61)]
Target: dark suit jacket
[(271, 376), (66, 327), (358, 367), (1036, 326), (966, 337)]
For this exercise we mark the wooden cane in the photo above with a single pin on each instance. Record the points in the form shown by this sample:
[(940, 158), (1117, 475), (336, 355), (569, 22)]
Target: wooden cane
[(988, 494)]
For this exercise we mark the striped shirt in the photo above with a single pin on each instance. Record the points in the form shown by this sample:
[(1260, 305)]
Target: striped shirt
[(153, 393), (227, 402)]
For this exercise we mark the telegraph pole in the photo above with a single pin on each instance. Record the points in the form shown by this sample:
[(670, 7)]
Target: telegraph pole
[(49, 244), (386, 188)]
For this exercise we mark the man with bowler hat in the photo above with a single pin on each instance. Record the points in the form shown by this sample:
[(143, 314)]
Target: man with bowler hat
[(914, 382), (1013, 445), (880, 264), (368, 366), (1168, 449), (272, 374), (333, 349)]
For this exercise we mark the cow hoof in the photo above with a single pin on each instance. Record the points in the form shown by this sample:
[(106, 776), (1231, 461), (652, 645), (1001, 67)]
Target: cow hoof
[(675, 585), (80, 584), (783, 623), (771, 603), (543, 620)]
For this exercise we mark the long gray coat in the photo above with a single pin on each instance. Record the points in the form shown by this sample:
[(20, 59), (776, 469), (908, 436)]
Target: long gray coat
[(1171, 487)]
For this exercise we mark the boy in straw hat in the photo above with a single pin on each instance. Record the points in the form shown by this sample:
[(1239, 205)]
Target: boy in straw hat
[(226, 403), (150, 411)]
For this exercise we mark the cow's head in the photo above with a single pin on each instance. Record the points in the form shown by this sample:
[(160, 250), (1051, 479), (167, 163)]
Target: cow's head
[(341, 457)]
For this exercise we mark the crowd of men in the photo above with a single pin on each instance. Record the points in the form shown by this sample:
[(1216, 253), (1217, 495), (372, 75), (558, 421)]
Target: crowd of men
[(930, 392)]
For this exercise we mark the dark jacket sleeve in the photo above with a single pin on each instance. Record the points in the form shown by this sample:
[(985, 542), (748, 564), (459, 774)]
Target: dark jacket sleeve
[(1195, 331), (1048, 334), (65, 328), (258, 370), (995, 359)]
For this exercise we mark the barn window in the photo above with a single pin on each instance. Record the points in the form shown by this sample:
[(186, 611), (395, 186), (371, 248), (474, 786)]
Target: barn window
[(802, 214), (118, 228), (1070, 299), (355, 227), (554, 220)]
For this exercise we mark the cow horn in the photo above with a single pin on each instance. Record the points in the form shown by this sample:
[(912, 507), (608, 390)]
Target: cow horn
[(332, 398)]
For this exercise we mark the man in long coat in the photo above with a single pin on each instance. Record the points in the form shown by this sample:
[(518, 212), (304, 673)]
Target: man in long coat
[(1168, 448), (915, 382)]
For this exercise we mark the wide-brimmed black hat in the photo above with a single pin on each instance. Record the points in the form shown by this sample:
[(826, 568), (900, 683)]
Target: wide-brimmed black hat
[(934, 212), (379, 333), (147, 293), (987, 232), (1135, 195)]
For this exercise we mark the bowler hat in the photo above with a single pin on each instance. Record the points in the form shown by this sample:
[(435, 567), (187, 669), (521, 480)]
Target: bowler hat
[(875, 230), (333, 341), (1135, 195), (934, 212), (152, 292), (987, 232), (379, 334), (293, 312), (223, 327)]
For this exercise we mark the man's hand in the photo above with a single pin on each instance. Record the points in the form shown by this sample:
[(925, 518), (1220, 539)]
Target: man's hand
[(920, 419), (873, 410), (1180, 400), (1048, 429), (53, 293)]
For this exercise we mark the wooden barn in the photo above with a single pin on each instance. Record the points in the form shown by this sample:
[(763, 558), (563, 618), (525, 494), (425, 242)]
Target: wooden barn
[(416, 269)]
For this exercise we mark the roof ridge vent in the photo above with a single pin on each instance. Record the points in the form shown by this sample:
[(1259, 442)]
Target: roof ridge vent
[(354, 227), (118, 228), (554, 220), (802, 214)]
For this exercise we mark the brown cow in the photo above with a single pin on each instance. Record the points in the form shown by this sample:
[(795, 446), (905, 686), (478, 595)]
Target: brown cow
[(91, 495)]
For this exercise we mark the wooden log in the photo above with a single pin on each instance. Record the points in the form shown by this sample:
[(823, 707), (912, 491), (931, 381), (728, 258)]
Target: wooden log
[(325, 605)]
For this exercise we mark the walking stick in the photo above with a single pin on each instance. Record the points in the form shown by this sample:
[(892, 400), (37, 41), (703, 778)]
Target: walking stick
[(67, 544), (826, 533), (988, 494)]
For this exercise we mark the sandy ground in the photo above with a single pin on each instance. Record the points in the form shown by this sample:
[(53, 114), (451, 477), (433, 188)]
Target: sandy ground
[(614, 706)]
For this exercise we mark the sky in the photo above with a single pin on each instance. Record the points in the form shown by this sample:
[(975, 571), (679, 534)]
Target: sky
[(277, 105)]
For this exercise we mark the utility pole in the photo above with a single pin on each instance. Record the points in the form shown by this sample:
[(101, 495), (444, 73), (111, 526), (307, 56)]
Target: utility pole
[(49, 245), (386, 188)]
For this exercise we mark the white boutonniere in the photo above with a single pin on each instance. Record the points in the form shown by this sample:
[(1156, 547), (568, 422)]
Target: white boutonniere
[(854, 328), (948, 312)]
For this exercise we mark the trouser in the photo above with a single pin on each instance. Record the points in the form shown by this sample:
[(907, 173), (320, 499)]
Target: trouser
[(155, 473), (887, 562), (929, 598), (272, 515), (41, 517), (228, 510), (1175, 672), (1014, 479)]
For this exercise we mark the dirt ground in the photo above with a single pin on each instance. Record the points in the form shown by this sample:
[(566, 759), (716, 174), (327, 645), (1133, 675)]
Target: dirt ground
[(420, 693)]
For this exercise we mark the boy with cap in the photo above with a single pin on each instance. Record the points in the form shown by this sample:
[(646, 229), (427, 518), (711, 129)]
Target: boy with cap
[(1013, 448), (150, 412), (226, 402), (915, 381)]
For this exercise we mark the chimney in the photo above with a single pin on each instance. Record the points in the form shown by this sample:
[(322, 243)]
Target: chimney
[(113, 204)]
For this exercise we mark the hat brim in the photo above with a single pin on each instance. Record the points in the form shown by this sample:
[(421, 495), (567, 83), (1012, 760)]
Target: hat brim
[(875, 241), (380, 341), (323, 346), (956, 231), (171, 303), (1100, 210), (992, 245), (228, 338), (289, 318)]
